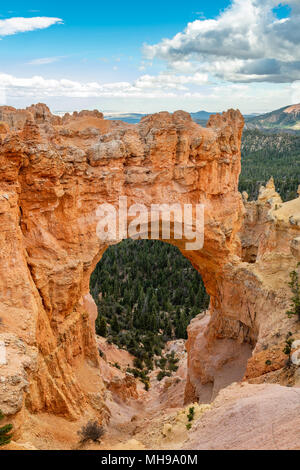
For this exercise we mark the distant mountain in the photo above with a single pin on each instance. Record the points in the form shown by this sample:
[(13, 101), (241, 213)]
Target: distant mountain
[(201, 115), (131, 118), (283, 119)]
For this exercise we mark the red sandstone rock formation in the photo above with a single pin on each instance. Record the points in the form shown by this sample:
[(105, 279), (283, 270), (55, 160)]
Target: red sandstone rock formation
[(54, 173)]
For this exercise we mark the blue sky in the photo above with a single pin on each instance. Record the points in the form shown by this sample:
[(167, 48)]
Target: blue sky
[(139, 56), (98, 35)]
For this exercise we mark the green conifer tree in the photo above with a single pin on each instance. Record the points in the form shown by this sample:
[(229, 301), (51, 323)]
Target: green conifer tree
[(5, 432), (115, 324), (101, 328)]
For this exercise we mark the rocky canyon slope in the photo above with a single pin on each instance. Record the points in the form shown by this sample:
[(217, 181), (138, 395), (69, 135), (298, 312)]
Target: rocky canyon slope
[(54, 173)]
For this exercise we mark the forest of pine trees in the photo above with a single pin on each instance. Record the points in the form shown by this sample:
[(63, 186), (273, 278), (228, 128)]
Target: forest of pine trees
[(270, 154), (146, 293)]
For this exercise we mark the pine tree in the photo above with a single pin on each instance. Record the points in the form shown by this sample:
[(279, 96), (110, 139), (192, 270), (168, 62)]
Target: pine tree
[(168, 329), (5, 432), (101, 328), (115, 324), (181, 326)]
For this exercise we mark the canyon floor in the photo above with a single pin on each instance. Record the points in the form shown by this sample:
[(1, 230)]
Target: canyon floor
[(242, 416)]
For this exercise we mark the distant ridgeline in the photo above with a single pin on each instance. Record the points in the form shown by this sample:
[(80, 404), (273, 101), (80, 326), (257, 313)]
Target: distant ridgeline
[(284, 119), (146, 292)]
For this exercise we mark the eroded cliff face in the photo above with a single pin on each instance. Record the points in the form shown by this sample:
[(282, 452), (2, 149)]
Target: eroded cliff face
[(54, 174), (243, 334)]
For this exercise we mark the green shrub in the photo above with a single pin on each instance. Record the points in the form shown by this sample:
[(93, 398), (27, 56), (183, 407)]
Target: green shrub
[(101, 353), (161, 374), (295, 288), (162, 362), (140, 374), (146, 383), (138, 363), (134, 372), (288, 347), (191, 413)]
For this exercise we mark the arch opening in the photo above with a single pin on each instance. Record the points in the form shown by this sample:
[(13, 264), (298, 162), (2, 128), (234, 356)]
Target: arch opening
[(146, 293)]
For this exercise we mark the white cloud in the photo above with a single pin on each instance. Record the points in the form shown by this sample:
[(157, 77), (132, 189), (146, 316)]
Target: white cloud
[(148, 94), (43, 88), (151, 93), (167, 80), (44, 61), (16, 25), (144, 86), (246, 42)]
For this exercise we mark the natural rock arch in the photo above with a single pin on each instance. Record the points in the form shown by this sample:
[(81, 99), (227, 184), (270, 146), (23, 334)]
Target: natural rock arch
[(54, 174)]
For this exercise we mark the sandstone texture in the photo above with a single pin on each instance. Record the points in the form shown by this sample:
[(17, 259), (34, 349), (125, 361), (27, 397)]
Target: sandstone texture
[(113, 365), (249, 417), (54, 174)]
